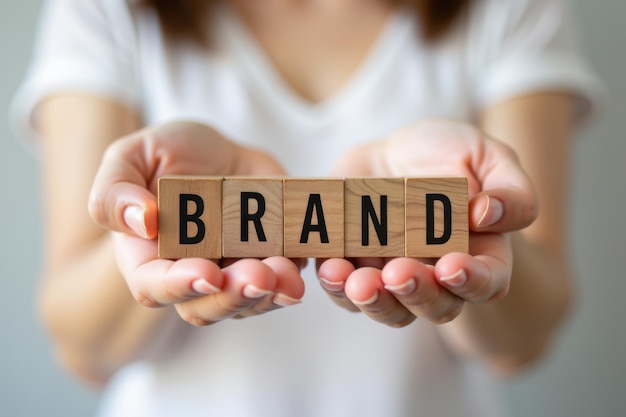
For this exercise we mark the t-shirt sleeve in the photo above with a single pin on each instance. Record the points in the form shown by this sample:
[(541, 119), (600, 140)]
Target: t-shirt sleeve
[(82, 46), (531, 46)]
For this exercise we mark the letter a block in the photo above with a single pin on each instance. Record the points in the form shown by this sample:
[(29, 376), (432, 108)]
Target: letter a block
[(314, 211), (374, 217), (190, 217), (436, 216), (252, 217)]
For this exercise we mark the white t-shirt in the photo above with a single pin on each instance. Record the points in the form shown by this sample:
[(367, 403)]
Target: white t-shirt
[(314, 359)]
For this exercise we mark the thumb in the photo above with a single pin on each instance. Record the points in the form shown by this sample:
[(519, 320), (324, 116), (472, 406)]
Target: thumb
[(508, 200), (124, 207), (119, 199)]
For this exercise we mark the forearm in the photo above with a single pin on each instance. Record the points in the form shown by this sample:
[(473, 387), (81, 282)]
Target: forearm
[(95, 323), (84, 302), (513, 332), (517, 329)]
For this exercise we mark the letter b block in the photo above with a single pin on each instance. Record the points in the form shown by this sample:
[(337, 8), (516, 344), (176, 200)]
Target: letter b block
[(190, 217)]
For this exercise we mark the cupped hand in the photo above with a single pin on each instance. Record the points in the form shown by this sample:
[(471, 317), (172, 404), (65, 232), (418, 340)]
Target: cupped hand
[(123, 200), (501, 200)]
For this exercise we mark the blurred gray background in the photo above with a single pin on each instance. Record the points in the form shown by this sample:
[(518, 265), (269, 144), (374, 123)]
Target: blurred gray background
[(585, 375)]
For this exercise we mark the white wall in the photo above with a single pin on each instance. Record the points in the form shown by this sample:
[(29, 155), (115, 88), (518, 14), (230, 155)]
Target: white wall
[(586, 373), (584, 376)]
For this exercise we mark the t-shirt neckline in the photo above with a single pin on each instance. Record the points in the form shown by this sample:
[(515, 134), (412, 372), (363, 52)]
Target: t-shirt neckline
[(268, 81)]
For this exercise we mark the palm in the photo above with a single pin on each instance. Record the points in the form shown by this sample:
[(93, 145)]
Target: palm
[(440, 149), (128, 178)]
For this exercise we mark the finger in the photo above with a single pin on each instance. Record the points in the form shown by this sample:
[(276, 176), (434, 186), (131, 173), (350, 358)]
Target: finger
[(364, 287), (288, 291), (246, 282), (414, 285), (160, 282), (332, 274), (482, 277), (509, 201)]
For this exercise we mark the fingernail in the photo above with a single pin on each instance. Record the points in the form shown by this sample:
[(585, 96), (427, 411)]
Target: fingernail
[(285, 300), (492, 214), (202, 286), (369, 301), (134, 218), (253, 292), (403, 289), (332, 285), (455, 280)]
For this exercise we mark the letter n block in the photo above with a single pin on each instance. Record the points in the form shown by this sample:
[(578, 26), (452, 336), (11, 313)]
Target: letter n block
[(436, 216), (252, 217), (314, 217), (374, 217), (190, 217)]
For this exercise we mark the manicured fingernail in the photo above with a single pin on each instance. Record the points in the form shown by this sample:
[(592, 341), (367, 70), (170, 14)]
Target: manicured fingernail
[(202, 286), (492, 214), (403, 289), (369, 301), (332, 285), (253, 292), (457, 279), (285, 300), (134, 218)]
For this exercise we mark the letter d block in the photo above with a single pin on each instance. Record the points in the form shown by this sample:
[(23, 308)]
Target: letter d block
[(252, 218), (436, 216), (314, 218), (374, 219), (190, 217)]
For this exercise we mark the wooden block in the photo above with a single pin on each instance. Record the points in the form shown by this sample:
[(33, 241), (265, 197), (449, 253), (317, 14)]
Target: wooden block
[(314, 218), (436, 216), (374, 217), (252, 218), (190, 217)]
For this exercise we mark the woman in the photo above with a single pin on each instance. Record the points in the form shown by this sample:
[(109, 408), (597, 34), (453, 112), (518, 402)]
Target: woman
[(303, 88)]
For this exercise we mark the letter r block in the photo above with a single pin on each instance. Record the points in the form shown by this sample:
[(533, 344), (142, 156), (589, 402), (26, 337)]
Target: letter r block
[(374, 219), (436, 216), (190, 217), (314, 212), (252, 217)]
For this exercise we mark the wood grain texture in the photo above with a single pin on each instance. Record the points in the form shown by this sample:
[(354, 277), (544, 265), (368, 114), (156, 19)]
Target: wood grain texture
[(374, 217), (197, 230), (213, 217), (252, 218), (445, 197), (314, 218)]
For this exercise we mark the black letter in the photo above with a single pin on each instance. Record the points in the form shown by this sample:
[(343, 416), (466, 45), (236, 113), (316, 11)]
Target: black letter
[(254, 217), (367, 207), (315, 201), (431, 239), (186, 217)]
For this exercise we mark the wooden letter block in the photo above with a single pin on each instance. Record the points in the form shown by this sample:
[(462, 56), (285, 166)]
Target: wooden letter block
[(374, 217), (436, 216), (190, 217), (252, 217), (314, 211)]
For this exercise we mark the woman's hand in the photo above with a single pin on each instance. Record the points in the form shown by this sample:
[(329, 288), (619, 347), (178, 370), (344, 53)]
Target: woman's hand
[(123, 200), (502, 199)]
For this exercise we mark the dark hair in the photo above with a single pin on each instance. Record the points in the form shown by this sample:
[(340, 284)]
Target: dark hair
[(184, 19)]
